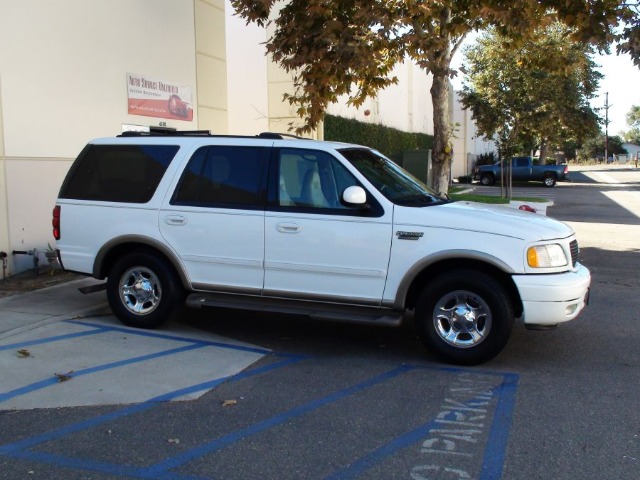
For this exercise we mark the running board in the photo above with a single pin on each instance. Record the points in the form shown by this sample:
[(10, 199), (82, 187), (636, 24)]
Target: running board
[(314, 310), (93, 288)]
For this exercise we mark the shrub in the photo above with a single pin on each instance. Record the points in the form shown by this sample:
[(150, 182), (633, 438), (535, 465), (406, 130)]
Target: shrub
[(389, 141), (488, 158)]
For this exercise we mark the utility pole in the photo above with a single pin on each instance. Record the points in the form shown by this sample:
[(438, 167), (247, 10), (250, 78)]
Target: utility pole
[(606, 127)]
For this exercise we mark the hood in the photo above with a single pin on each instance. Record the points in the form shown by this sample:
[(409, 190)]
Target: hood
[(482, 217)]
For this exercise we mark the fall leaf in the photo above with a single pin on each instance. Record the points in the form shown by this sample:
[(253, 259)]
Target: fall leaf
[(23, 353), (63, 377), (228, 403)]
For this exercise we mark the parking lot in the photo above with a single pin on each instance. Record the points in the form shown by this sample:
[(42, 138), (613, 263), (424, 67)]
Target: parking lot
[(280, 397), (133, 378)]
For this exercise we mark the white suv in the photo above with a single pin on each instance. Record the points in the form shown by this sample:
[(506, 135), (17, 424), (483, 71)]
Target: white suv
[(322, 229)]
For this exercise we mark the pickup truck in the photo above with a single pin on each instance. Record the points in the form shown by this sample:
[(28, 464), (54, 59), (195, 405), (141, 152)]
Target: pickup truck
[(523, 169)]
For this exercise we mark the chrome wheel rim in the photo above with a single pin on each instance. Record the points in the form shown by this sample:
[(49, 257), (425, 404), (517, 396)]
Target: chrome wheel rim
[(140, 290), (462, 319)]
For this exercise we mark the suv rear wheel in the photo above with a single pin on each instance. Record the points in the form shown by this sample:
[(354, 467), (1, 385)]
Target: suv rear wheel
[(464, 317), (142, 290)]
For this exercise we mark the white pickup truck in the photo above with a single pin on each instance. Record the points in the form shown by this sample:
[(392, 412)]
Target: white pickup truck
[(321, 229)]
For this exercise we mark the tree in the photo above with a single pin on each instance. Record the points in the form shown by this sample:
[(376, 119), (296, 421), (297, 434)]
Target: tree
[(630, 36), (336, 47), (633, 120), (538, 95), (593, 148)]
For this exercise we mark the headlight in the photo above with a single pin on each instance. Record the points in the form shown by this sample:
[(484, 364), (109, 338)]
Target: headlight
[(545, 256)]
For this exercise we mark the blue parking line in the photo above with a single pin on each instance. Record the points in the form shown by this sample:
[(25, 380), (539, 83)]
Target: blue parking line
[(164, 336), (259, 427), (496, 444), (493, 460), (496, 450), (56, 338), (13, 448), (47, 382), (21, 448), (96, 329), (96, 466)]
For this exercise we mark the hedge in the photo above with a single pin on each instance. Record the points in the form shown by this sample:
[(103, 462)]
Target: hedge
[(390, 141)]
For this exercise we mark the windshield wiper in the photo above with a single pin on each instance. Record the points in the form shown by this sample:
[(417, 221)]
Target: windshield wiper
[(418, 200)]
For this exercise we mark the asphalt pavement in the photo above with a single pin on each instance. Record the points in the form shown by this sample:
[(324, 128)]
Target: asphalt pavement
[(322, 400)]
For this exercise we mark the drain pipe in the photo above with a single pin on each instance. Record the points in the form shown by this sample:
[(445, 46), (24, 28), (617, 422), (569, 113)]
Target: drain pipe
[(34, 252), (3, 257)]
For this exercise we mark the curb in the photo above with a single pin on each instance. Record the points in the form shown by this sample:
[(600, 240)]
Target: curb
[(69, 287), (81, 313)]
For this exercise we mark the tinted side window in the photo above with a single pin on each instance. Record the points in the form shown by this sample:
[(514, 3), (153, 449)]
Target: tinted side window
[(312, 181), (309, 179), (222, 176), (118, 173)]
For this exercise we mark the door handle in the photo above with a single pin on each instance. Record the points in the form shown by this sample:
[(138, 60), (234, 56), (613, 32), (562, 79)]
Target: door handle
[(176, 220), (288, 227)]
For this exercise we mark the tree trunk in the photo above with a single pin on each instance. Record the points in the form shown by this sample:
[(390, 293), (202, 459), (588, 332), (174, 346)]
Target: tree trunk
[(442, 151), (543, 152)]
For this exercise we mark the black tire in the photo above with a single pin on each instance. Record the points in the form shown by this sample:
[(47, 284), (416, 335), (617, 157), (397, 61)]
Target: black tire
[(142, 290), (462, 294), (549, 181), (487, 180)]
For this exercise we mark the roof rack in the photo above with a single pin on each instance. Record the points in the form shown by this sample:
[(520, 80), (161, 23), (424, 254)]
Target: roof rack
[(166, 132), (279, 136), (172, 132)]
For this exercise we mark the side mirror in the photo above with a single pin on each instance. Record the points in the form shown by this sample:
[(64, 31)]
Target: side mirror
[(355, 196)]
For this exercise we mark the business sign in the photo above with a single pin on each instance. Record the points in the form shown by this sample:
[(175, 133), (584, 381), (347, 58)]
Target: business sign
[(151, 97)]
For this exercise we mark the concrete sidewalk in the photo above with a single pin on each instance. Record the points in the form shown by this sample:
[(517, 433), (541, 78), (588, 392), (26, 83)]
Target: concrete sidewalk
[(62, 348), (29, 310)]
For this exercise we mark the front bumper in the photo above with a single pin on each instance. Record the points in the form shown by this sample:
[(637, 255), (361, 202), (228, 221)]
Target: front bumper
[(554, 298)]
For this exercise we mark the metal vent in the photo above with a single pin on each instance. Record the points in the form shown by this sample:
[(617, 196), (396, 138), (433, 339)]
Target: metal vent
[(575, 251)]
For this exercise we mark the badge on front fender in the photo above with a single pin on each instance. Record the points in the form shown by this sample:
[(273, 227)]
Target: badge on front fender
[(409, 235)]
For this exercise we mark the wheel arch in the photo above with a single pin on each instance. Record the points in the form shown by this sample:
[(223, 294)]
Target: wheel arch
[(552, 176), (422, 273), (117, 247), (489, 174)]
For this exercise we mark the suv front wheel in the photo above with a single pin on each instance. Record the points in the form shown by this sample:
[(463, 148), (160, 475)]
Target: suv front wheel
[(142, 290), (464, 317)]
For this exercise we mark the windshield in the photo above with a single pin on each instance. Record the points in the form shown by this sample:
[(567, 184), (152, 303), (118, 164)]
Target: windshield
[(395, 183)]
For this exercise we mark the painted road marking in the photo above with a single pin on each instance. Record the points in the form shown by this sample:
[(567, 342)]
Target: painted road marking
[(625, 196), (478, 406), (21, 449), (105, 364)]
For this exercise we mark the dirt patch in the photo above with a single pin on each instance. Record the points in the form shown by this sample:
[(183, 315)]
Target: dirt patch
[(34, 280)]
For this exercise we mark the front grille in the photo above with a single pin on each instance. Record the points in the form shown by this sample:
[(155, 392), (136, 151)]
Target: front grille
[(575, 251)]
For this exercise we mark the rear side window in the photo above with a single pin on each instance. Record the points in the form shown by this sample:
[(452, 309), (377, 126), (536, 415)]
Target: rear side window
[(118, 173), (222, 176)]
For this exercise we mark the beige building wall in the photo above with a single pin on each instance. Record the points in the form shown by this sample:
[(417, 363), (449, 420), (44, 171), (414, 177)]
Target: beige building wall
[(282, 115), (405, 106), (467, 144), (4, 210), (63, 69), (247, 85), (211, 68)]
